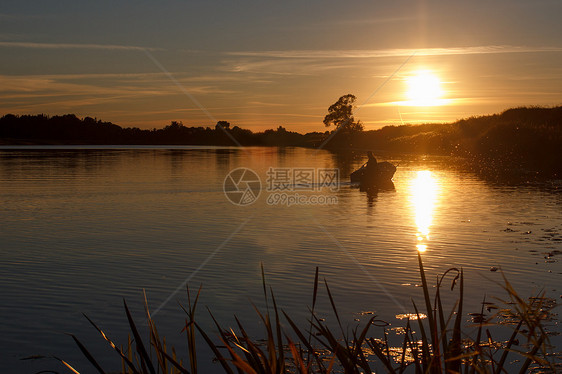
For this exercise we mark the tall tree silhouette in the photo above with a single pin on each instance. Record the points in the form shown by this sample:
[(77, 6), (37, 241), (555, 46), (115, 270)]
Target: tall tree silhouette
[(222, 125), (340, 114)]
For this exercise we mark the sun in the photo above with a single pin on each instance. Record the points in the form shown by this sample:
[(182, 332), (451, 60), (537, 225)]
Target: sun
[(424, 89)]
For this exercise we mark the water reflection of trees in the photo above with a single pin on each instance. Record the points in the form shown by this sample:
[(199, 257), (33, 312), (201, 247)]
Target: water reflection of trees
[(347, 161), (73, 162), (223, 158)]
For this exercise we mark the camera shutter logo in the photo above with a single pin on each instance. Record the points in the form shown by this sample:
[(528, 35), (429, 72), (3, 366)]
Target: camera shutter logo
[(242, 186)]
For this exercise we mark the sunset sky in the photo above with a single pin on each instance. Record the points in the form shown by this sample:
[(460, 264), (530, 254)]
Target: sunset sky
[(264, 64)]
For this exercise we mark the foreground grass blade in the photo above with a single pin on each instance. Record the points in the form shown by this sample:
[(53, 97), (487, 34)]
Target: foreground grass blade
[(264, 286), (455, 346), (425, 355), (87, 354), (508, 347), (66, 364), (190, 329), (531, 355), (429, 308), (215, 350), (124, 358), (374, 345), (143, 353), (281, 358), (307, 343), (314, 297), (297, 357), (175, 363), (239, 362), (335, 310)]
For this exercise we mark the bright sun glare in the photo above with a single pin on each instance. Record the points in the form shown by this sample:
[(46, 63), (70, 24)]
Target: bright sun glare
[(424, 190), (424, 89)]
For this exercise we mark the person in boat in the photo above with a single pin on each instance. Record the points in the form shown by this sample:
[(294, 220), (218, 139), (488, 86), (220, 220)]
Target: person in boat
[(372, 162)]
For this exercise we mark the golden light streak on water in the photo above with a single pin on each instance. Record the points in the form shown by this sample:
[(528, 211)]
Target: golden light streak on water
[(424, 191)]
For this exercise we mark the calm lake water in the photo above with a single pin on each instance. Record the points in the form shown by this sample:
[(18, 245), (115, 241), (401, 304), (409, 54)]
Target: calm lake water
[(83, 228)]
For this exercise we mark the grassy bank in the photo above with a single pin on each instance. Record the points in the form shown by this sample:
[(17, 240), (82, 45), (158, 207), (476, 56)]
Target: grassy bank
[(435, 339), (517, 141)]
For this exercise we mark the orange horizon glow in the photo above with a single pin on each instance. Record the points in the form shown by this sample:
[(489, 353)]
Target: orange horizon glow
[(431, 92)]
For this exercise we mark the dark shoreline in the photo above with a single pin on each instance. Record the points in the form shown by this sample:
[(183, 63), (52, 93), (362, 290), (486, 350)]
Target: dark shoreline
[(520, 142)]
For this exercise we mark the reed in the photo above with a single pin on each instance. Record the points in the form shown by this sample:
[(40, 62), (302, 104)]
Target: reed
[(441, 346)]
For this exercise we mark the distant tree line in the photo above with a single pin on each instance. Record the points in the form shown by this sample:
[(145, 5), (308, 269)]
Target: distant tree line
[(527, 139), (69, 129)]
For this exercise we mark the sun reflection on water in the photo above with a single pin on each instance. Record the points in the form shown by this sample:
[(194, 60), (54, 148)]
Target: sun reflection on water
[(423, 191)]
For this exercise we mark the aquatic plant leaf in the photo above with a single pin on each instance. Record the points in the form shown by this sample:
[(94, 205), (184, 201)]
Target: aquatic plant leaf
[(87, 354)]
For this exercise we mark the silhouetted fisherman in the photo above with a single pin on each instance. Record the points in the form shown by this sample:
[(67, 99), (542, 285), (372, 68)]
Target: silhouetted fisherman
[(372, 163)]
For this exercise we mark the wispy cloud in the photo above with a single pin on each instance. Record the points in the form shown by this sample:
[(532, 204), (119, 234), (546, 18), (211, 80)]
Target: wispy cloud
[(138, 83), (39, 91), (371, 21), (281, 67), (261, 104), (331, 23), (184, 77), (348, 63), (397, 52), (35, 45)]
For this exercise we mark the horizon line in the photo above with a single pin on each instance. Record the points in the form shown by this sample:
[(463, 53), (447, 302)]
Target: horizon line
[(391, 123)]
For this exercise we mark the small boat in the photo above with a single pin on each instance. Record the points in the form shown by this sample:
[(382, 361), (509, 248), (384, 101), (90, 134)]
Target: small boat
[(380, 175)]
